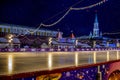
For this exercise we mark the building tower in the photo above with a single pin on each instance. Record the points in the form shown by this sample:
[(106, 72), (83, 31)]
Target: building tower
[(90, 35), (96, 27)]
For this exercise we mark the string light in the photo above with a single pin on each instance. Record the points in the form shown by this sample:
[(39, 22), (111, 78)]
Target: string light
[(45, 25), (56, 22), (63, 10), (111, 33), (91, 6), (35, 29), (71, 8)]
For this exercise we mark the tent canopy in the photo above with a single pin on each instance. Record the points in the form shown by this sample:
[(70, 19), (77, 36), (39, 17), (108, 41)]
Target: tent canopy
[(3, 40)]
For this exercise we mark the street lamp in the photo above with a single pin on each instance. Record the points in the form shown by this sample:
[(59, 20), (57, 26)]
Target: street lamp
[(10, 40), (50, 41), (94, 44), (76, 42)]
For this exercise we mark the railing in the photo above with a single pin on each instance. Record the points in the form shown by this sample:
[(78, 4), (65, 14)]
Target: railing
[(54, 49)]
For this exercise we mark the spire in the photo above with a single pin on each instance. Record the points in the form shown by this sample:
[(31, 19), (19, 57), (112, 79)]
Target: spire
[(96, 27), (96, 23), (96, 18), (72, 35), (59, 36), (90, 35)]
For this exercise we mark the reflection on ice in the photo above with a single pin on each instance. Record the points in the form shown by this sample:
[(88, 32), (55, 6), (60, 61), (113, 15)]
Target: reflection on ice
[(19, 62), (76, 59), (49, 61), (108, 56), (94, 56), (117, 55), (10, 63)]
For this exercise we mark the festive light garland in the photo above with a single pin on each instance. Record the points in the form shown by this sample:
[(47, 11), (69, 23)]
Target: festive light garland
[(111, 33), (71, 8), (91, 6), (35, 29), (45, 25)]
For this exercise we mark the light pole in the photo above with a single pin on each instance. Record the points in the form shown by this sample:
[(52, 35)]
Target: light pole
[(107, 44), (94, 44), (50, 41), (76, 43), (10, 40), (117, 43)]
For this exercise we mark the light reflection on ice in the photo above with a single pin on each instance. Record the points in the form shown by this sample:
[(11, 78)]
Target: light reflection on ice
[(10, 63), (49, 61)]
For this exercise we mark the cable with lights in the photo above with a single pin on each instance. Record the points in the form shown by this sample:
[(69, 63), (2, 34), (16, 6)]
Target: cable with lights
[(68, 11)]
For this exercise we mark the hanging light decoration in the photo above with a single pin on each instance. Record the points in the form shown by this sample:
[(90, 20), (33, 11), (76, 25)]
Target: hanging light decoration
[(68, 11)]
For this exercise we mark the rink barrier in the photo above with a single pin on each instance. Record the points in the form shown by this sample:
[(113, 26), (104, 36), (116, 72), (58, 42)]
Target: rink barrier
[(37, 75), (54, 49)]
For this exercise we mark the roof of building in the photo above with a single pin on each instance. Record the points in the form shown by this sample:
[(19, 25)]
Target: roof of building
[(3, 40), (16, 40), (83, 37), (30, 27)]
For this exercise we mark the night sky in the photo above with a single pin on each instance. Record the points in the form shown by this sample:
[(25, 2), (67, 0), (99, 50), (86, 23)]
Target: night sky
[(33, 12)]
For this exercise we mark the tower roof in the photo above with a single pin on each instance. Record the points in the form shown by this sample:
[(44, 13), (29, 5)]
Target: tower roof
[(96, 18), (96, 27), (59, 35), (72, 36)]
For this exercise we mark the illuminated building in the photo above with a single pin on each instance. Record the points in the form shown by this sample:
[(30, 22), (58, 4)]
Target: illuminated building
[(25, 35)]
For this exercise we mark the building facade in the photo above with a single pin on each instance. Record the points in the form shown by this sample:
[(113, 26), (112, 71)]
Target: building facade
[(27, 36), (25, 30)]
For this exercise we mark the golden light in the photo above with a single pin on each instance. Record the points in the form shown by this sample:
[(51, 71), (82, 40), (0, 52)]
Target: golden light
[(9, 41), (49, 61), (76, 59), (81, 77), (115, 75), (94, 56), (50, 41), (10, 36), (10, 64), (117, 54), (108, 56)]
